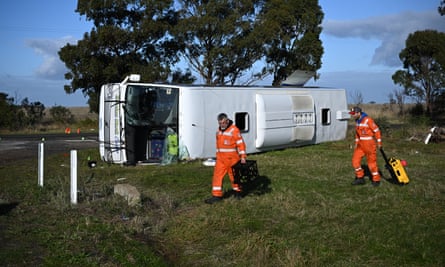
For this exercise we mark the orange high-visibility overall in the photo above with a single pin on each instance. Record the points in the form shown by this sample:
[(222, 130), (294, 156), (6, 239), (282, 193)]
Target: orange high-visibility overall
[(230, 147), (366, 134)]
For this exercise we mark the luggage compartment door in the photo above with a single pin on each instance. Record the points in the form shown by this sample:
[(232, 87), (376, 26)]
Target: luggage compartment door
[(284, 119)]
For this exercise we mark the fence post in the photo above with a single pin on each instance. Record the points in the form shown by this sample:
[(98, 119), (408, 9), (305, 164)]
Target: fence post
[(40, 163), (73, 176)]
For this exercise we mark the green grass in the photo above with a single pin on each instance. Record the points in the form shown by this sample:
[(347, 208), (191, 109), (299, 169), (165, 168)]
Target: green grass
[(303, 212)]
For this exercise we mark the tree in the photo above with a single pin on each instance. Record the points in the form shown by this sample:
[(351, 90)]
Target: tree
[(423, 60), (7, 110), (293, 37), (61, 114), (180, 77), (400, 100), (357, 97), (220, 38), (441, 8), (14, 116), (224, 39), (129, 36), (34, 111)]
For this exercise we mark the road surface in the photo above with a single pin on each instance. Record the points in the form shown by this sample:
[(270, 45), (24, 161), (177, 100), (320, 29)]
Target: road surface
[(19, 147)]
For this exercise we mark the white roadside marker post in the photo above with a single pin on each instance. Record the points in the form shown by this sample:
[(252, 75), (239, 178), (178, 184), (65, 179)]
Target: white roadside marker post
[(73, 176), (40, 163)]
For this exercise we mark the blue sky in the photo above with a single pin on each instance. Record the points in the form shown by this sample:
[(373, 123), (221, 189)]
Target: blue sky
[(361, 39)]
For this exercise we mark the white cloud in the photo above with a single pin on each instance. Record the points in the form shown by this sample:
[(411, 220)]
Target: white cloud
[(52, 68), (390, 30)]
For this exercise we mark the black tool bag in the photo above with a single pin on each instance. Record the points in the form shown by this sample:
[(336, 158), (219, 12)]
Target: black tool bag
[(244, 173)]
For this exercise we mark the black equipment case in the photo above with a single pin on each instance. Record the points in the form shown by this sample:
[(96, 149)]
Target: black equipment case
[(244, 173)]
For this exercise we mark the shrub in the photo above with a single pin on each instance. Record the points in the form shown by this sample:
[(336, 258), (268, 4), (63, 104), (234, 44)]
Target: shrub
[(61, 114), (417, 110)]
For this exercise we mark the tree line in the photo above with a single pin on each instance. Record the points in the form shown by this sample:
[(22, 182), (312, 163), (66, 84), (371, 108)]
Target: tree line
[(28, 115), (221, 41)]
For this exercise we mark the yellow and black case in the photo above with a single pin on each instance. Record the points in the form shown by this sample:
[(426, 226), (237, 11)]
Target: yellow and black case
[(396, 169)]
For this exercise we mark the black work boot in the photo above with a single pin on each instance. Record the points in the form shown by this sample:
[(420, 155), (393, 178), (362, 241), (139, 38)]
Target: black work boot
[(212, 200), (237, 195), (358, 181), (375, 183)]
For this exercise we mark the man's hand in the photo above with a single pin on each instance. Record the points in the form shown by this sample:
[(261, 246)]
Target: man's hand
[(243, 161)]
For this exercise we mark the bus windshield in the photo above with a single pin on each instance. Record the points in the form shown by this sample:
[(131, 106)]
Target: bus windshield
[(151, 105)]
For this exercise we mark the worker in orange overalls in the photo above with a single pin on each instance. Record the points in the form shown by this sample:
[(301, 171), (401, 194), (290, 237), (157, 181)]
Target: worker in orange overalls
[(230, 148), (366, 134)]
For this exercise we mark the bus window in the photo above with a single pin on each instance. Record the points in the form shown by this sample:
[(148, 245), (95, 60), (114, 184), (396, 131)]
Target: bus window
[(242, 121)]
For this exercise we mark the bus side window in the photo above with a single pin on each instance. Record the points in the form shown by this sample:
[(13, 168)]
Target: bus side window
[(242, 121), (325, 116)]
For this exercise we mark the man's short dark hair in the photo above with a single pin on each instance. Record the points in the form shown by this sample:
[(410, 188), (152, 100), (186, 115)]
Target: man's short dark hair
[(222, 116)]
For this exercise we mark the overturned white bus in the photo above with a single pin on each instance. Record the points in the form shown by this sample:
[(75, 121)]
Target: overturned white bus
[(143, 122)]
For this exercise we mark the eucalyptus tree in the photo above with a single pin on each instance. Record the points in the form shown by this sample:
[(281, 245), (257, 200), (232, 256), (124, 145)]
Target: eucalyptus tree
[(129, 36), (423, 74), (292, 30), (441, 8), (225, 39), (219, 38)]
